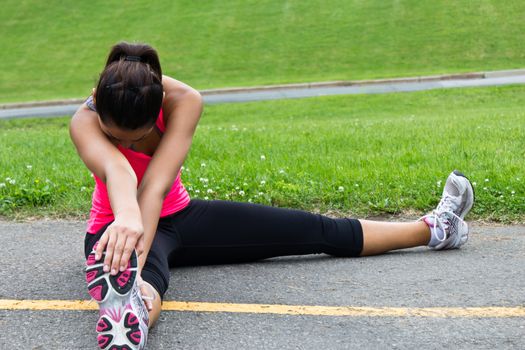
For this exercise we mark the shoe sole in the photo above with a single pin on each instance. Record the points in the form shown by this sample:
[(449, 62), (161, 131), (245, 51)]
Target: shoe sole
[(471, 193), (118, 326)]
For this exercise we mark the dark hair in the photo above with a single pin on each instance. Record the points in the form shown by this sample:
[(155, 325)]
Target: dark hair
[(129, 91)]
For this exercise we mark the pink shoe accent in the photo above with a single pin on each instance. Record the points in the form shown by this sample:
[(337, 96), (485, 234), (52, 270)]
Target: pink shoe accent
[(114, 314), (131, 320), (96, 293), (123, 278), (135, 337), (104, 340), (90, 276), (429, 222), (91, 260), (103, 325)]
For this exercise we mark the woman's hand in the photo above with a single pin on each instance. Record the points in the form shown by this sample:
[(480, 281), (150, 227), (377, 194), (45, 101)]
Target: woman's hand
[(123, 236)]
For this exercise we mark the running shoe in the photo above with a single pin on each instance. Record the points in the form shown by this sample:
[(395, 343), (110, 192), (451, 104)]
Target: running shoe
[(456, 202), (123, 322)]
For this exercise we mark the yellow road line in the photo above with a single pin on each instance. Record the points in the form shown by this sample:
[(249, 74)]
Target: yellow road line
[(312, 310)]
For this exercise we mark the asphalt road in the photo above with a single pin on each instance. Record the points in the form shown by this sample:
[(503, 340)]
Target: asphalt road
[(44, 260)]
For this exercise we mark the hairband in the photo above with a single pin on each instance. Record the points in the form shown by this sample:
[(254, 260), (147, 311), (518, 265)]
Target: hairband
[(133, 58), (115, 86), (135, 89)]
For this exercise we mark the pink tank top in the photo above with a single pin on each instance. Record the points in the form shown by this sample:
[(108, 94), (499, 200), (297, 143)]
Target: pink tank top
[(101, 213)]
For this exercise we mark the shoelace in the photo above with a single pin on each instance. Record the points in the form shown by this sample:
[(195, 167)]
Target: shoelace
[(443, 223), (445, 205)]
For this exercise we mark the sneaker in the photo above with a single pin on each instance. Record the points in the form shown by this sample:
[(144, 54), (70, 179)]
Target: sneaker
[(123, 322), (449, 230)]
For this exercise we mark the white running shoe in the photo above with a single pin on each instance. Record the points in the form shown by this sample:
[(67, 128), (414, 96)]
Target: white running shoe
[(123, 322), (447, 218)]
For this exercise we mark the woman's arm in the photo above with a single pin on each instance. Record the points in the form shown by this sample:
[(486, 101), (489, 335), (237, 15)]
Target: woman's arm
[(106, 162), (182, 108)]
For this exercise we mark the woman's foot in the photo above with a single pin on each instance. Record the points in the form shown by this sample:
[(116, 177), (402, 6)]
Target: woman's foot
[(448, 229), (123, 322)]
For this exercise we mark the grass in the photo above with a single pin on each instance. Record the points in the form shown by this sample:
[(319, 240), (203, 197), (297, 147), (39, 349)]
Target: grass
[(56, 49), (359, 155)]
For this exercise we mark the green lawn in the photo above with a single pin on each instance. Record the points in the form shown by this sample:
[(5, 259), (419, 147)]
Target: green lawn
[(56, 49), (348, 155)]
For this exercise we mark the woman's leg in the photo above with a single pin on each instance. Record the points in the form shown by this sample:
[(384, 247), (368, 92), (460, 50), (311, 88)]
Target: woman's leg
[(228, 232), (214, 232), (381, 237)]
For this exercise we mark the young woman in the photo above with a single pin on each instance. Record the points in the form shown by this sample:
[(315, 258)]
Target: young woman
[(133, 134)]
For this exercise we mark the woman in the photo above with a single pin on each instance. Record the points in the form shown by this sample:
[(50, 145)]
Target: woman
[(133, 134)]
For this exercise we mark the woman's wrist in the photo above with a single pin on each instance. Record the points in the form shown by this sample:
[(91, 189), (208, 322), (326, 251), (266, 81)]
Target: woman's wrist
[(129, 212)]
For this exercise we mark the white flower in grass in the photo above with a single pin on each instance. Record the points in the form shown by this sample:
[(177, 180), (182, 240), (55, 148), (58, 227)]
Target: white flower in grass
[(2, 184), (203, 165), (485, 188), (486, 180), (263, 157), (356, 185), (281, 171), (82, 189), (438, 183), (241, 193), (7, 179), (474, 184), (341, 189), (197, 191), (209, 190), (12, 181), (206, 198), (260, 193), (29, 167), (237, 187), (263, 183), (513, 192)]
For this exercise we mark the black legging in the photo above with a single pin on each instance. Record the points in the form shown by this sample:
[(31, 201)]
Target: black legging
[(218, 232)]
